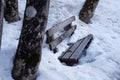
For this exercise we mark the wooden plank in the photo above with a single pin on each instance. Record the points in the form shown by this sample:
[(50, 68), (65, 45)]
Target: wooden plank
[(1, 19), (60, 57), (71, 50), (58, 40), (79, 50), (60, 26)]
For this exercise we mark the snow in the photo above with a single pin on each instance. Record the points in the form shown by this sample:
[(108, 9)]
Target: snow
[(102, 61)]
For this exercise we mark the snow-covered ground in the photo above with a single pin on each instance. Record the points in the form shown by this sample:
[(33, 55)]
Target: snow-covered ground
[(102, 61)]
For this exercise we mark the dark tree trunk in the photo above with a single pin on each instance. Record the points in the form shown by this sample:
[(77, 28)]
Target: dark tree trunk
[(28, 55), (11, 11), (88, 10), (1, 18)]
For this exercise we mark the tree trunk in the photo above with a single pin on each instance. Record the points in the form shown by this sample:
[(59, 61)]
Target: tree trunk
[(11, 11), (28, 55), (1, 18), (88, 10)]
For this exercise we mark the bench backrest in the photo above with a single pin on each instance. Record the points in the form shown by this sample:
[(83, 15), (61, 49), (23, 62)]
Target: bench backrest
[(60, 26), (66, 24)]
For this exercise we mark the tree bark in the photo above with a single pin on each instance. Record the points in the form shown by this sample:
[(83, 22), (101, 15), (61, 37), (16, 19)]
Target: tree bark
[(88, 10), (28, 55), (1, 19), (11, 11)]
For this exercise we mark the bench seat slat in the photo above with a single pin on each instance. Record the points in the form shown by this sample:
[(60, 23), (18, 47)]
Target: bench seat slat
[(76, 55), (70, 51)]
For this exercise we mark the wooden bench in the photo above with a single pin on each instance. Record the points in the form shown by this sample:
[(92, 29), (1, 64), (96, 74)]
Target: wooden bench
[(69, 30), (76, 50)]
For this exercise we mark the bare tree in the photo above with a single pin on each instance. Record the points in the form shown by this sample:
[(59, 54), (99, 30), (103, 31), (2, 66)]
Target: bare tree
[(11, 11), (1, 18), (88, 10), (29, 52)]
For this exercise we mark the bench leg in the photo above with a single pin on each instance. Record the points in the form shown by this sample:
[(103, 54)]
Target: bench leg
[(55, 50)]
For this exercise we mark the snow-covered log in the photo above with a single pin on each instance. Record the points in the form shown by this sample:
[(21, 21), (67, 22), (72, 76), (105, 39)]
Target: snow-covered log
[(28, 55), (1, 18), (11, 11), (88, 10)]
